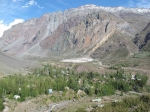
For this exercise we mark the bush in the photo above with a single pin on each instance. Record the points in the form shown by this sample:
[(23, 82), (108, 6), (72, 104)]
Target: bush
[(1, 104), (53, 98)]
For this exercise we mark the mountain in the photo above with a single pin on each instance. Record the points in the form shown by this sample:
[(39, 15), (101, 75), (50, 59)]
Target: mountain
[(142, 40), (89, 30)]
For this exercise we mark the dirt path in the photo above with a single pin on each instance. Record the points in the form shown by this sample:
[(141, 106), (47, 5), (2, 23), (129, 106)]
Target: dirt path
[(55, 106)]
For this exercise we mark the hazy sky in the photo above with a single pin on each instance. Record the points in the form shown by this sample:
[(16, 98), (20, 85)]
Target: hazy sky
[(15, 11)]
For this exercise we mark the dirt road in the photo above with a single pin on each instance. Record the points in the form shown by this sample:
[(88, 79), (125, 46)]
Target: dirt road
[(55, 106)]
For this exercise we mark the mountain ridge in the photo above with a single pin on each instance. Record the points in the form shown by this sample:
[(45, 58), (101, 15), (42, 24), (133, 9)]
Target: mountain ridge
[(75, 31), (119, 8)]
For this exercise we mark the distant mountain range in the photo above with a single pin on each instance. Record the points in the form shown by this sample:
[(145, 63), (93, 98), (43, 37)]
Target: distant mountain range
[(99, 32)]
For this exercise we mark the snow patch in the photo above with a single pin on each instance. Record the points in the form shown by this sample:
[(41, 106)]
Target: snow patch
[(115, 9)]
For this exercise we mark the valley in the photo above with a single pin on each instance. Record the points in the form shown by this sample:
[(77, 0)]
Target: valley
[(85, 59)]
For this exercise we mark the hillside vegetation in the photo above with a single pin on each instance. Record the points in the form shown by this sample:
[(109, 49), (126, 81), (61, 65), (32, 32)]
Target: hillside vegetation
[(40, 80)]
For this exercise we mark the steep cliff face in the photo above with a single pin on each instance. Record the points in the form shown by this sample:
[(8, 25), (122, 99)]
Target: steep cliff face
[(81, 33), (76, 32), (142, 40)]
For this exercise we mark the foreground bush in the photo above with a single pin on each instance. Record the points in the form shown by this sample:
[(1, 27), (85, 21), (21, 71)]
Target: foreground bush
[(138, 104)]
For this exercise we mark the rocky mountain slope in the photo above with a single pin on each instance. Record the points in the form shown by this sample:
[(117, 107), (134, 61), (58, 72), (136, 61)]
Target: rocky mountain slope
[(142, 40), (10, 66), (119, 45), (85, 31)]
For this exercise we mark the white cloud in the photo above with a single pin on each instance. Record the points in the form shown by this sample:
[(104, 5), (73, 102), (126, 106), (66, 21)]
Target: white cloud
[(30, 3), (11, 10), (139, 3), (4, 27)]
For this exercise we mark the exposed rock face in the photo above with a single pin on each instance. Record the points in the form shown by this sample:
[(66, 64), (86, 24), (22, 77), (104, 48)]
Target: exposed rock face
[(142, 40), (76, 32), (24, 36), (81, 33)]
